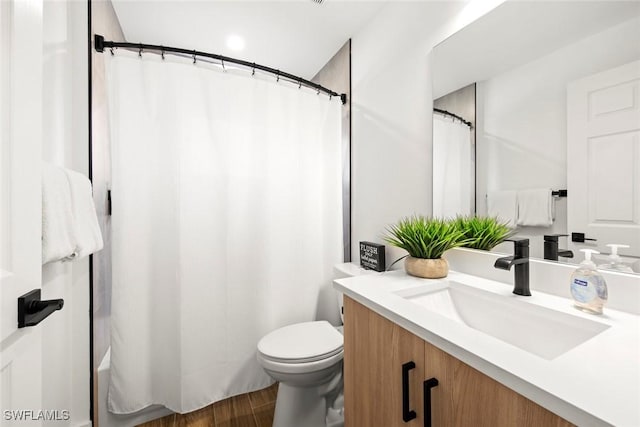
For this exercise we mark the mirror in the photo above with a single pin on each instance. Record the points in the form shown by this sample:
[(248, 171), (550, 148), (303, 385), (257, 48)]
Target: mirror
[(555, 106)]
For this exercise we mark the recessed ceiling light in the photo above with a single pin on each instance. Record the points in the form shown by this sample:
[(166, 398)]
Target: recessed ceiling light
[(235, 42)]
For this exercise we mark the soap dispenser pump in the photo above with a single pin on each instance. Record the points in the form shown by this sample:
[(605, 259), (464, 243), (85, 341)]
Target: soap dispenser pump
[(588, 287), (615, 262)]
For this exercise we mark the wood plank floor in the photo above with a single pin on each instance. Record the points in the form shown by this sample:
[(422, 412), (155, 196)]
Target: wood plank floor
[(247, 410)]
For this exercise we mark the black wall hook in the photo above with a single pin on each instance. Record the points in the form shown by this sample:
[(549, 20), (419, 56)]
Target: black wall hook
[(580, 238)]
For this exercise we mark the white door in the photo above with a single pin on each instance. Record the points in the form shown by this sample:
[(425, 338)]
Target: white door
[(603, 158), (20, 206)]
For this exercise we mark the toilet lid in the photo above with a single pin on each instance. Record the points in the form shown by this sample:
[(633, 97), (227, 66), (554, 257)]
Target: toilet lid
[(301, 342)]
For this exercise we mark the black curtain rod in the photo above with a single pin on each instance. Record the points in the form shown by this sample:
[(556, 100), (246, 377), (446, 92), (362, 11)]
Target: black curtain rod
[(455, 116), (101, 44)]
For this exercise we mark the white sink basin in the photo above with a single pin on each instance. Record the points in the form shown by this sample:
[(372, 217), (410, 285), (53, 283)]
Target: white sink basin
[(539, 330)]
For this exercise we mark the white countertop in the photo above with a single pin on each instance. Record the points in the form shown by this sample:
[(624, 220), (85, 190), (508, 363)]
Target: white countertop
[(595, 383)]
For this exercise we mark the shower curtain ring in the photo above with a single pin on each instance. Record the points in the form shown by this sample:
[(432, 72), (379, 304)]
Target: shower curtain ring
[(111, 49), (140, 52), (299, 84), (278, 76), (253, 70), (318, 92), (223, 69), (194, 56), (162, 52)]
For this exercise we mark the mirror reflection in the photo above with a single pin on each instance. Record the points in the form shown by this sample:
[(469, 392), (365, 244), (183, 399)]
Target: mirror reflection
[(551, 92)]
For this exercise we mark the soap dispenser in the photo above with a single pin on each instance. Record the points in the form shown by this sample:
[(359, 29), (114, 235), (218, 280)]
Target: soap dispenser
[(614, 260), (588, 287)]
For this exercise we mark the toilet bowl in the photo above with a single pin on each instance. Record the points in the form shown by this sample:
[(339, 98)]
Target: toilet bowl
[(306, 358)]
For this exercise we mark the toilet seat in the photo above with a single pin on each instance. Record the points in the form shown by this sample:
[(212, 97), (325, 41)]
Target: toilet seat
[(301, 342), (302, 360), (294, 367), (301, 347)]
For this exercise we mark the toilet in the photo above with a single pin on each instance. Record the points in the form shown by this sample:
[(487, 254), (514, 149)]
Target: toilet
[(306, 358)]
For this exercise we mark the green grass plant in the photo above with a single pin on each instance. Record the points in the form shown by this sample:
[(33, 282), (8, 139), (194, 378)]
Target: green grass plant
[(482, 233), (424, 237)]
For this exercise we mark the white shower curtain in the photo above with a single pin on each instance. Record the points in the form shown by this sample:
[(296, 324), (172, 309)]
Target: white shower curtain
[(452, 168), (226, 223)]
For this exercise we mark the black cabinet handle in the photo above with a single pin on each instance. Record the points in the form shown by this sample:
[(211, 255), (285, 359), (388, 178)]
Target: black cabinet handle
[(426, 396), (32, 310), (407, 414)]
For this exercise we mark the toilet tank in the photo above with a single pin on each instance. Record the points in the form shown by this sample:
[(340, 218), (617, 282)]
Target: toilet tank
[(344, 270)]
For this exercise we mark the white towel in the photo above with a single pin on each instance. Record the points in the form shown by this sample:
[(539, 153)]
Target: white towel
[(87, 230), (535, 207), (504, 206), (58, 236)]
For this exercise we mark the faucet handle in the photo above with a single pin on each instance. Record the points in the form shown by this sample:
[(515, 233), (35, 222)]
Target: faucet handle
[(553, 237), (519, 242)]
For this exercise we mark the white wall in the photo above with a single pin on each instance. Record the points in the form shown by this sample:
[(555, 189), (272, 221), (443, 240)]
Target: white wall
[(65, 143), (392, 112), (521, 120)]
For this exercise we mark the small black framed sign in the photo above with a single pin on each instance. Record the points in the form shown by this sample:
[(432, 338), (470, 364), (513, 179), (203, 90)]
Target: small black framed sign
[(372, 256)]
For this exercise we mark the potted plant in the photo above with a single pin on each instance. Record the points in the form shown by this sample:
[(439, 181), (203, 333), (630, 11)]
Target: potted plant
[(425, 239), (482, 233)]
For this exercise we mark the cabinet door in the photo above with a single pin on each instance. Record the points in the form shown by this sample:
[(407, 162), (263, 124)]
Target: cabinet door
[(466, 397), (375, 350)]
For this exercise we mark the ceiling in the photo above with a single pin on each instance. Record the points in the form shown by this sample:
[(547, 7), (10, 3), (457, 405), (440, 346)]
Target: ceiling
[(517, 32), (296, 36)]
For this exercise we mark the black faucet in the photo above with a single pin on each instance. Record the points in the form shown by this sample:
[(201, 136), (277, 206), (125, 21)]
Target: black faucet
[(551, 251), (520, 259)]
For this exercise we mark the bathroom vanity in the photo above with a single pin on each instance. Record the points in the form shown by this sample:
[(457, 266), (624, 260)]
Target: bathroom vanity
[(465, 351), (463, 395)]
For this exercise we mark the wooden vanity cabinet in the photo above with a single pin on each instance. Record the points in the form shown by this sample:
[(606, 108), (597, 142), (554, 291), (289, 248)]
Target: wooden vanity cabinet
[(375, 350)]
